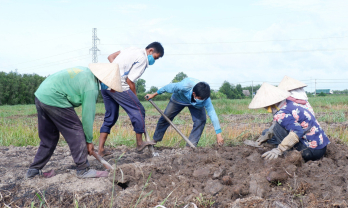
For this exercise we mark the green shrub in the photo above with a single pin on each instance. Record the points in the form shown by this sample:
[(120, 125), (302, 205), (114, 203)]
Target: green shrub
[(217, 95)]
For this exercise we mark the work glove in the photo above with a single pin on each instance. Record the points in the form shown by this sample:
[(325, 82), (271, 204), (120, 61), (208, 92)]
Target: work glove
[(272, 154), (268, 135), (288, 142)]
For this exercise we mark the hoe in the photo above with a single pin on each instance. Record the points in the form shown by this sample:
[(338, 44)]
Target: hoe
[(171, 123), (102, 161)]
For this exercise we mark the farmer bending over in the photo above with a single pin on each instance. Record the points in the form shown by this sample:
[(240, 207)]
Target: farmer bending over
[(298, 95), (295, 125), (132, 62), (55, 101), (196, 96)]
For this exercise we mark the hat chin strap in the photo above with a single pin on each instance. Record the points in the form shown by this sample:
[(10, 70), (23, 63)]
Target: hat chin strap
[(275, 108)]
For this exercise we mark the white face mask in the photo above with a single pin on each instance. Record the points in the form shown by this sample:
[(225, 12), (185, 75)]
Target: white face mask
[(198, 101)]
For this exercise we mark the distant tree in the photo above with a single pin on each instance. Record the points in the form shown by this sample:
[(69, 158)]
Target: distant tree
[(16, 88), (227, 89), (140, 86), (239, 91), (153, 89), (179, 77), (231, 91), (340, 91), (322, 94), (1, 92), (309, 94)]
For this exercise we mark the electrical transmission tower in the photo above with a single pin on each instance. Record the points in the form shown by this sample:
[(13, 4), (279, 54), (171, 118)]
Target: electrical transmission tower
[(94, 48)]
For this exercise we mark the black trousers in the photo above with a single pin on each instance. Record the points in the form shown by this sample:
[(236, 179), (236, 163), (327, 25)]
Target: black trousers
[(51, 121), (307, 153)]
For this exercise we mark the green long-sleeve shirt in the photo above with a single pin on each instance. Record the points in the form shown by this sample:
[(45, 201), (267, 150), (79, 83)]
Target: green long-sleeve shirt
[(72, 87)]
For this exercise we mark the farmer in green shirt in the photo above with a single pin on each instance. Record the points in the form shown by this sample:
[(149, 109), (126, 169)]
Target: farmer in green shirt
[(55, 101)]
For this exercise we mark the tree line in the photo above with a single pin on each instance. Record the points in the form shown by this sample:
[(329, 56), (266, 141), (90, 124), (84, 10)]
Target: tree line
[(226, 91), (18, 88)]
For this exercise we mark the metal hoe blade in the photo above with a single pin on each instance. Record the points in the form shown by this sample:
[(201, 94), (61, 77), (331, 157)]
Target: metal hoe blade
[(151, 149)]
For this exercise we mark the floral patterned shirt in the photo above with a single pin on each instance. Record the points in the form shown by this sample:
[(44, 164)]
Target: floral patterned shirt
[(308, 107), (299, 119)]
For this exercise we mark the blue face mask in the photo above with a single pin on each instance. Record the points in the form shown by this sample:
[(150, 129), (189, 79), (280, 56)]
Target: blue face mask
[(198, 101), (151, 59)]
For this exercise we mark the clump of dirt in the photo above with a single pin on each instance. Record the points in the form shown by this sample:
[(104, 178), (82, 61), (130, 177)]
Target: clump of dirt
[(234, 176)]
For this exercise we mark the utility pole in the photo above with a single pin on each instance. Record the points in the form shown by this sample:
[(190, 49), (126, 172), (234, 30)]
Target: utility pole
[(94, 48), (252, 89), (315, 87)]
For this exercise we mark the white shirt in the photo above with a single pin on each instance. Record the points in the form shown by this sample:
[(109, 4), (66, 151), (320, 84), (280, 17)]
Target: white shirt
[(132, 63)]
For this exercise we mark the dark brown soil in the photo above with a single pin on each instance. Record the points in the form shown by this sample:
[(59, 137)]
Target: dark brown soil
[(219, 177)]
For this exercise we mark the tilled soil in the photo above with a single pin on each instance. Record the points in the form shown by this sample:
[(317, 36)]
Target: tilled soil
[(233, 176), (230, 119)]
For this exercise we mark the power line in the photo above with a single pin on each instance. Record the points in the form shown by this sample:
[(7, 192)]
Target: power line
[(256, 52), (60, 63), (53, 38), (207, 20), (332, 79), (260, 52), (46, 57), (54, 63), (335, 82), (248, 41), (235, 83), (197, 20)]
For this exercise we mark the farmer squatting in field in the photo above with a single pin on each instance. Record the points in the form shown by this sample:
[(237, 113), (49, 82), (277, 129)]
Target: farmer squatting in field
[(298, 95), (196, 96), (132, 63), (55, 100), (295, 125)]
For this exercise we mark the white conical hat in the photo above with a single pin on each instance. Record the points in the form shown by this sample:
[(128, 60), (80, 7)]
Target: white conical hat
[(289, 83), (107, 73), (268, 95)]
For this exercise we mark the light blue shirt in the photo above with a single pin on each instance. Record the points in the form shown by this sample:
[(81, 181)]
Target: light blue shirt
[(182, 94)]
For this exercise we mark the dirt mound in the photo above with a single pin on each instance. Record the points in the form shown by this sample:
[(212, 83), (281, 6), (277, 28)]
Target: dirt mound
[(210, 177)]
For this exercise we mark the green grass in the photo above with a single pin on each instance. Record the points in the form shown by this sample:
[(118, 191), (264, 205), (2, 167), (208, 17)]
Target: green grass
[(17, 110), (225, 106), (18, 132), (18, 124)]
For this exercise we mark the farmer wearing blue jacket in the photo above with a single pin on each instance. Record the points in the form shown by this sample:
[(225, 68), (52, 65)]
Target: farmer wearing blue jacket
[(195, 95)]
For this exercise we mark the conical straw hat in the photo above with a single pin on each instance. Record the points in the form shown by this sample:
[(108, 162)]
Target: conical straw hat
[(289, 83), (109, 74), (268, 95)]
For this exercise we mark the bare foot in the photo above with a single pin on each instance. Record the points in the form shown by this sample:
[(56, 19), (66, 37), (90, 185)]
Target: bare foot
[(104, 153), (144, 144)]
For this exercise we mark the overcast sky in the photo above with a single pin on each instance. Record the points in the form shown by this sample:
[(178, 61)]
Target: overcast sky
[(214, 41)]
